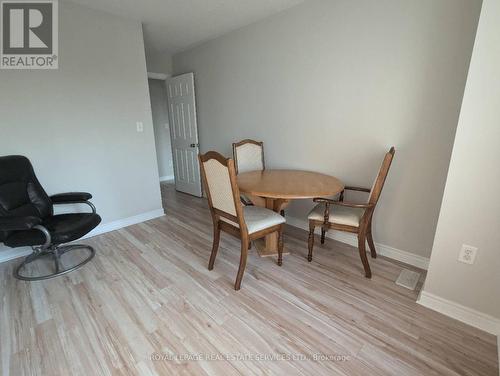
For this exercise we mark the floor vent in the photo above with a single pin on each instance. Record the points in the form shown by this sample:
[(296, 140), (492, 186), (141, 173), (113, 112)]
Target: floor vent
[(408, 279)]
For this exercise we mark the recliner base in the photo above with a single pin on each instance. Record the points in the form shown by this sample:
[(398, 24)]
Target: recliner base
[(54, 251)]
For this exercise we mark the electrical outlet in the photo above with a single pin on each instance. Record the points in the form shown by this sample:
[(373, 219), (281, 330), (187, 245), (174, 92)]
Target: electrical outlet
[(140, 126), (467, 254)]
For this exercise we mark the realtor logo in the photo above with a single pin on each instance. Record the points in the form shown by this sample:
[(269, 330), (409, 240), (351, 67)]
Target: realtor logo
[(29, 34)]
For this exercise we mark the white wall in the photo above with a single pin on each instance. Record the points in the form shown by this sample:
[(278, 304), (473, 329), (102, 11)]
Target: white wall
[(470, 212), (158, 62), (159, 108), (330, 85), (77, 124)]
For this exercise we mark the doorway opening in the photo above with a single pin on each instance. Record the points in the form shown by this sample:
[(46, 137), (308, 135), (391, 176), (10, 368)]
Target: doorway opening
[(173, 108), (161, 126)]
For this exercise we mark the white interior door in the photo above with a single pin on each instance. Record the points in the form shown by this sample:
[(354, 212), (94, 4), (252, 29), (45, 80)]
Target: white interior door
[(184, 133)]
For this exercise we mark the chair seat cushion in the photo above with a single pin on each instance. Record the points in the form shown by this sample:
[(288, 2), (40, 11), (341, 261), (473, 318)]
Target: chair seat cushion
[(258, 218), (341, 215), (63, 228)]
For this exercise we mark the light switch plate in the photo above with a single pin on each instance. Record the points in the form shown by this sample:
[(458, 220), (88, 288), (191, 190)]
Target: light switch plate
[(467, 254), (140, 126)]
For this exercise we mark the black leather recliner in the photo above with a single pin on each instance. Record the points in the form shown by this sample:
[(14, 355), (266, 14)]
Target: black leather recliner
[(27, 219)]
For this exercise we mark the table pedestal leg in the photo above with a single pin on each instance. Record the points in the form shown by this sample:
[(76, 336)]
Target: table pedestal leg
[(268, 246)]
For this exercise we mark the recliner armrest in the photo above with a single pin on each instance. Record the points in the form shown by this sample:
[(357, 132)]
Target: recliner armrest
[(70, 197), (18, 223)]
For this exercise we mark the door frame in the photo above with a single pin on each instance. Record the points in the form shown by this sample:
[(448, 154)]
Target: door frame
[(158, 76)]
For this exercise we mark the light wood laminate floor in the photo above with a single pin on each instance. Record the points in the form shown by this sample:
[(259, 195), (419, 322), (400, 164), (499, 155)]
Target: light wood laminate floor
[(148, 291)]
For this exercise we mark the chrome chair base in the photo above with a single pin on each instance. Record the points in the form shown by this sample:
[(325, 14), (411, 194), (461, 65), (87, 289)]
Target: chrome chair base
[(55, 252)]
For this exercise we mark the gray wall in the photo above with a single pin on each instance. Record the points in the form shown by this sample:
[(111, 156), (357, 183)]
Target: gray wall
[(470, 212), (77, 124), (158, 95), (158, 62), (331, 85)]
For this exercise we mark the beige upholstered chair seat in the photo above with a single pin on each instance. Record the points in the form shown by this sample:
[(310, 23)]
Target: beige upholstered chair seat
[(257, 218), (341, 215)]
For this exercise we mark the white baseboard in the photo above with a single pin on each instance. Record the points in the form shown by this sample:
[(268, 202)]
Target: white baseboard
[(459, 312), (7, 254), (167, 178), (351, 239), (125, 222)]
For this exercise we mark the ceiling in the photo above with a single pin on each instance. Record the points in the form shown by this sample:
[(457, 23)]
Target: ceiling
[(171, 26)]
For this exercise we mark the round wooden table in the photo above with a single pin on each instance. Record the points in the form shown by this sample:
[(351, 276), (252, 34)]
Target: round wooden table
[(274, 189)]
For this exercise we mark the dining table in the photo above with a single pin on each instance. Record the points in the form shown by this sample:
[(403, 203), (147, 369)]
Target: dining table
[(276, 188)]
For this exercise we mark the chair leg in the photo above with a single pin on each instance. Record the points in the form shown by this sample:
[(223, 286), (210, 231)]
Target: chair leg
[(310, 241), (362, 254), (280, 246), (243, 263), (215, 247), (323, 234), (373, 251)]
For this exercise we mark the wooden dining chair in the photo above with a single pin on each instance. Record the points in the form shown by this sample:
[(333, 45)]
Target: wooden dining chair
[(249, 155), (351, 217), (229, 215)]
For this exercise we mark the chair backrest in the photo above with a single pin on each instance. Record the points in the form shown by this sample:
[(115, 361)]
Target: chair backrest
[(249, 155), (219, 178), (21, 194), (378, 184)]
